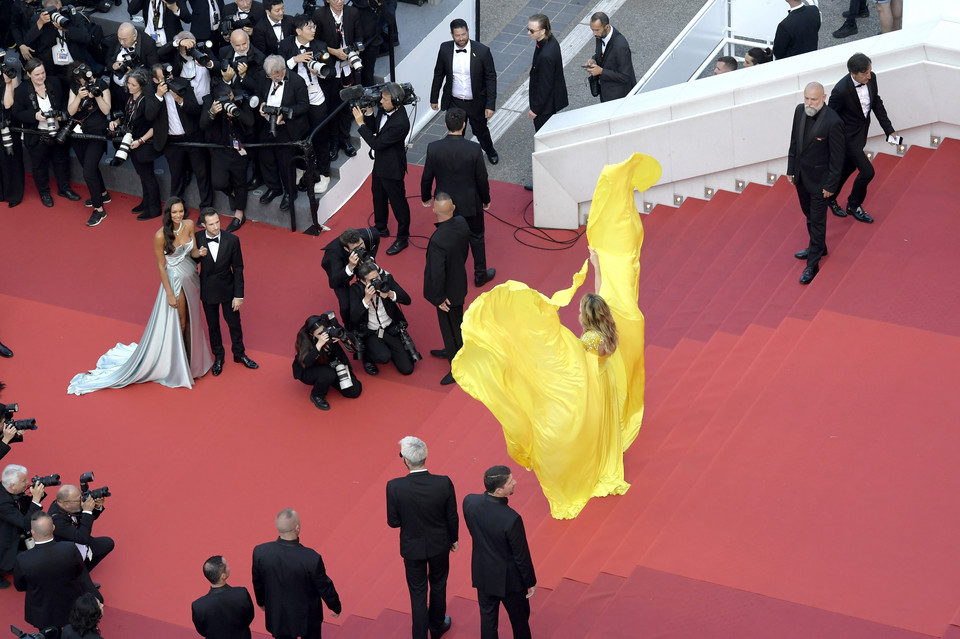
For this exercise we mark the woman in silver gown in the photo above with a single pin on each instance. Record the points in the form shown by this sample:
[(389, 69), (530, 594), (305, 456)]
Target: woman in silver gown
[(173, 350)]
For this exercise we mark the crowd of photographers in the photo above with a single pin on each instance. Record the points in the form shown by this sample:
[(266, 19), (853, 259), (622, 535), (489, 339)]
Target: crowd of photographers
[(49, 554), (235, 76)]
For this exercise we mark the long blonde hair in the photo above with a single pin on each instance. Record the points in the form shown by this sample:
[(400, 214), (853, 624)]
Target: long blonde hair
[(595, 315)]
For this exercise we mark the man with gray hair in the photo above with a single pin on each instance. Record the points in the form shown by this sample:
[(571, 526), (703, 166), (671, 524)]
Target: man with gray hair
[(424, 508), (16, 508), (289, 580)]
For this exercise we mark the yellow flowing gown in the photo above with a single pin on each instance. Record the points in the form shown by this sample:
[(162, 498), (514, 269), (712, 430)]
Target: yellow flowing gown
[(566, 412)]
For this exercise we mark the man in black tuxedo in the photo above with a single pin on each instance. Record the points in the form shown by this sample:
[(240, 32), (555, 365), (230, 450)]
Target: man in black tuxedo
[(162, 19), (377, 318), (16, 509), (289, 580), (855, 98), (457, 165), (340, 260), (502, 569), (50, 574), (270, 32), (548, 89), (221, 287), (244, 64), (73, 518), (205, 20), (813, 166), (287, 91), (445, 276), (466, 71), (226, 611), (424, 508), (386, 134), (339, 27), (245, 10), (612, 64), (797, 33), (131, 49)]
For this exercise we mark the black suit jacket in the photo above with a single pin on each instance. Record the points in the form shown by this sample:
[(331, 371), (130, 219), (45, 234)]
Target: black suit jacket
[(388, 144), (64, 528), (251, 81), (200, 18), (223, 613), (816, 151), (501, 558), (483, 76), (845, 101), (359, 313), (256, 13), (616, 60), (797, 33), (189, 111), (15, 514), (50, 575), (265, 37), (150, 113), (296, 97), (217, 129), (458, 167), (445, 275), (145, 50), (424, 508), (24, 110), (43, 40), (289, 580), (221, 280), (336, 258), (548, 89), (172, 23), (327, 26)]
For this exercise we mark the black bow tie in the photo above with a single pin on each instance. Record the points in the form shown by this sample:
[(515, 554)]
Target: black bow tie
[(304, 48), (461, 50), (214, 239), (857, 86)]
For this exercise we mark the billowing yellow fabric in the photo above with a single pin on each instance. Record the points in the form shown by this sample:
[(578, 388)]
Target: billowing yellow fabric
[(566, 412)]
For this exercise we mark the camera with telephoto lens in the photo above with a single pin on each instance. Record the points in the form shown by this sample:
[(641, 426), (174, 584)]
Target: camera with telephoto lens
[(61, 17), (229, 106), (380, 285), (125, 133), (407, 342), (273, 113), (321, 66), (230, 24), (353, 56), (367, 97), (46, 480), (46, 633), (87, 493), (7, 411), (199, 51), (8, 70), (6, 136)]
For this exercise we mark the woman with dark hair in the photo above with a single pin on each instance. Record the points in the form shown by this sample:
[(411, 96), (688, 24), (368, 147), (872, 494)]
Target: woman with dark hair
[(34, 105), (84, 618), (146, 121), (90, 112), (11, 160), (173, 350), (756, 56), (321, 362)]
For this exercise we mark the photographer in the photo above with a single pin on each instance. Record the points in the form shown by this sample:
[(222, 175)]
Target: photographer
[(73, 516), (16, 509), (375, 311), (163, 19), (321, 362), (89, 106), (144, 118), (39, 105), (11, 158), (241, 64), (126, 53), (341, 258), (231, 126), (339, 27), (244, 10), (307, 57), (183, 112), (7, 435), (191, 60), (58, 39), (284, 103)]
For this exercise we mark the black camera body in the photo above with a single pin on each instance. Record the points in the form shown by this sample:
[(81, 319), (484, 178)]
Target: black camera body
[(200, 51), (8, 70), (235, 62), (91, 493), (61, 17), (46, 480), (46, 633), (177, 85), (20, 424), (127, 62), (230, 24), (380, 285), (273, 113), (407, 342)]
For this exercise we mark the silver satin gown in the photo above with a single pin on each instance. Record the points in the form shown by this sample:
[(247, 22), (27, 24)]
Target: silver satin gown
[(161, 355)]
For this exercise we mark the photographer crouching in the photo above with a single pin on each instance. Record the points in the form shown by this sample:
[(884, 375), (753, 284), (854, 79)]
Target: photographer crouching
[(17, 507), (73, 515), (321, 361), (375, 301)]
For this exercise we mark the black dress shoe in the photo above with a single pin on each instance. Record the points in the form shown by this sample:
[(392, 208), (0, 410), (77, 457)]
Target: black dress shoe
[(802, 255), (384, 232), (440, 352), (139, 208), (270, 195), (146, 215), (5, 352), (808, 274), (864, 13), (396, 247), (236, 224), (439, 632), (371, 368), (334, 154), (835, 208), (348, 149), (493, 158), (255, 181), (482, 278), (11, 205), (217, 367), (860, 215), (285, 203), (447, 380), (320, 402), (47, 200), (528, 187), (69, 193), (246, 361), (848, 29)]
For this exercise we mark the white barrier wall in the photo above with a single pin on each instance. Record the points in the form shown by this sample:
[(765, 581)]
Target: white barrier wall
[(736, 126)]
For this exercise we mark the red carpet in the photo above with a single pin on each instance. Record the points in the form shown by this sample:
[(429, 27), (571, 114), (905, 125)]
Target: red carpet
[(794, 477)]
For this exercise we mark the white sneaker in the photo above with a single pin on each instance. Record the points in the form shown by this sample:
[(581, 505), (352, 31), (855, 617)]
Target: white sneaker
[(322, 185)]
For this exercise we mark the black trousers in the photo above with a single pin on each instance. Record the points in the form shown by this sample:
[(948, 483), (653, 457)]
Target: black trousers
[(101, 547), (477, 245), (856, 6), (421, 574), (11, 172), (540, 120), (478, 122), (148, 183), (814, 207), (178, 159), (385, 349), (321, 140), (450, 322), (395, 192), (232, 317), (90, 152), (228, 174), (369, 60), (518, 609), (323, 377), (42, 155), (856, 160), (339, 127), (276, 170)]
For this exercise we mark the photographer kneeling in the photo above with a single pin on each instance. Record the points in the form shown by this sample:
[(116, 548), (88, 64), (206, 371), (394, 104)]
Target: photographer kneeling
[(321, 362), (73, 517), (16, 509), (375, 312)]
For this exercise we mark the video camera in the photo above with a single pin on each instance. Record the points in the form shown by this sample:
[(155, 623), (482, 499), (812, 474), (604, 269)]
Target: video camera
[(20, 424), (87, 493), (46, 480), (230, 24), (364, 97), (61, 17), (273, 113)]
